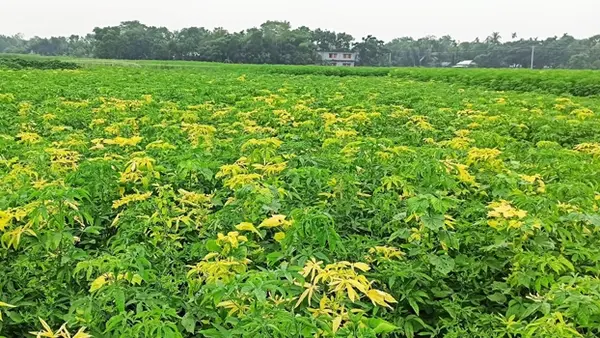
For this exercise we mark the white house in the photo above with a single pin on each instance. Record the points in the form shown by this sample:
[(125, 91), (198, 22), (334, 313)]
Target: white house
[(341, 59), (466, 64)]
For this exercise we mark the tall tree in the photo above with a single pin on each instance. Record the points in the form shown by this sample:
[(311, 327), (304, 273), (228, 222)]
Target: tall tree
[(494, 39), (371, 51)]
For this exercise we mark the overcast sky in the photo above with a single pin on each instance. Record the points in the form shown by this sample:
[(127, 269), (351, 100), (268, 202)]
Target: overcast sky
[(463, 19)]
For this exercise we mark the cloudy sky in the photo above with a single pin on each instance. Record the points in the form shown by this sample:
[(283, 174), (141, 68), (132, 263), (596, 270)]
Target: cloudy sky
[(386, 19)]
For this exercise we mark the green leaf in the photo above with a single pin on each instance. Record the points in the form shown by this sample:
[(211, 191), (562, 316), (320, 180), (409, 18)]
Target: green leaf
[(531, 309), (15, 316), (433, 221), (409, 330), (443, 264), (189, 323), (414, 305), (113, 322), (497, 297), (54, 240), (95, 230), (211, 245), (273, 257), (381, 326), (120, 300)]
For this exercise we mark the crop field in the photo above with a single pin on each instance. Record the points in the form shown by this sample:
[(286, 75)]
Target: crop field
[(238, 201)]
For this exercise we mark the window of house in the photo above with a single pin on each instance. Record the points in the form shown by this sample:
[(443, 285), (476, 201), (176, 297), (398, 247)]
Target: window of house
[(347, 56), (332, 55), (347, 64)]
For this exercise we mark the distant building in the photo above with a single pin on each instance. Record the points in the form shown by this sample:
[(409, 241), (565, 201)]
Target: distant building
[(466, 64), (340, 59)]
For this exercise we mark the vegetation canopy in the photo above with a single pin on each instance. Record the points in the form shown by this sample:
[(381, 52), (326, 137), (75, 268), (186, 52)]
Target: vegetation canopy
[(277, 42), (263, 201)]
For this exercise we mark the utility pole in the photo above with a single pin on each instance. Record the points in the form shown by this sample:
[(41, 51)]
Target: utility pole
[(532, 55)]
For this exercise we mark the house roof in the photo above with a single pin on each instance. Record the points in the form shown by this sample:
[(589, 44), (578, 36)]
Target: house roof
[(342, 52)]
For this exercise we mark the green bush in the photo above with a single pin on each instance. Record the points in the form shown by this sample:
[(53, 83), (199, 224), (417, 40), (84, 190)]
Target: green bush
[(325, 70), (20, 63), (573, 82)]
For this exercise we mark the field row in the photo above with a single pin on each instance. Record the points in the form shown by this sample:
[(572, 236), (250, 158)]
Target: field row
[(238, 201), (557, 82)]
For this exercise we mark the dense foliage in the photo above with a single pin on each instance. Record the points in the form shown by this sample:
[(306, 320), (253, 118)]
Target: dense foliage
[(20, 63), (222, 202), (275, 42), (578, 83)]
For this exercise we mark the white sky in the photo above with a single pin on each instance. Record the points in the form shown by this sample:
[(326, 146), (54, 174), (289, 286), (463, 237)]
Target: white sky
[(386, 19)]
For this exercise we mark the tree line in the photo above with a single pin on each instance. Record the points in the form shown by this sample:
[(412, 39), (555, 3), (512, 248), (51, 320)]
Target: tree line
[(276, 42)]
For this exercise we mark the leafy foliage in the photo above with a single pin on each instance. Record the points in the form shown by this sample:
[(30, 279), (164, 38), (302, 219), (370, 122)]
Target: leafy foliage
[(20, 63), (578, 83), (276, 42), (234, 201)]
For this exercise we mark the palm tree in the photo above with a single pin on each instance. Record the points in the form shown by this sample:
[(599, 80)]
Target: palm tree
[(494, 38)]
